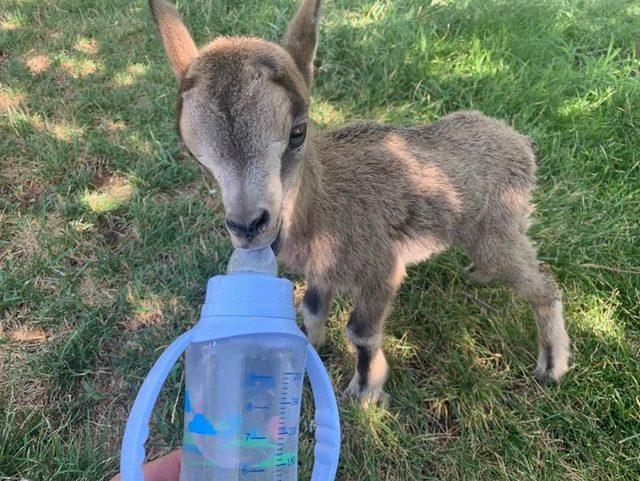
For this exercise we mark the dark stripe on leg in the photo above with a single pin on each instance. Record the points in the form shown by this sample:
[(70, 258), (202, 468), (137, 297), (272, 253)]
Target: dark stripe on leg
[(311, 300), (364, 365), (549, 355)]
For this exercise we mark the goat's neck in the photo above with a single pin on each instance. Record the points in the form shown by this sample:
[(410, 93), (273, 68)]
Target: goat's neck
[(306, 202)]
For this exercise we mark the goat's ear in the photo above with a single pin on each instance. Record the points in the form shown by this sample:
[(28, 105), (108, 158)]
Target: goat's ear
[(176, 39), (302, 37)]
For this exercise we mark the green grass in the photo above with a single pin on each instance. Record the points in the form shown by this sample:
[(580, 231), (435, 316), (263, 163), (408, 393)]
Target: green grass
[(108, 233)]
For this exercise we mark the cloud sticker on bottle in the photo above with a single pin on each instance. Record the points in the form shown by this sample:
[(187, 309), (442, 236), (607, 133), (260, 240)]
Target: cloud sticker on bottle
[(201, 425)]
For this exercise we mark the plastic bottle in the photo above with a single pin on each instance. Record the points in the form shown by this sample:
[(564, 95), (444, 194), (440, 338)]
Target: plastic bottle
[(245, 364)]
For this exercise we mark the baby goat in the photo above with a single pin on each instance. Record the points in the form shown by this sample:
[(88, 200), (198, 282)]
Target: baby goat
[(350, 208)]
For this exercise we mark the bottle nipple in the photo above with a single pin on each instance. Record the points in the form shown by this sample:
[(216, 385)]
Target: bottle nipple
[(255, 261)]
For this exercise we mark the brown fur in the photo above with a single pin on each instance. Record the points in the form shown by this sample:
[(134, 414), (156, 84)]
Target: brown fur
[(352, 207)]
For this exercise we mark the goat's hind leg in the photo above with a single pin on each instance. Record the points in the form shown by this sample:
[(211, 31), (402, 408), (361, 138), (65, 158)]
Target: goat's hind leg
[(553, 341), (315, 307), (518, 267)]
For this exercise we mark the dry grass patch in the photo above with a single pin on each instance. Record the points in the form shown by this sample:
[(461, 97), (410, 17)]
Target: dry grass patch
[(113, 125), (16, 180), (88, 46), (130, 75), (21, 392), (113, 128), (150, 310), (18, 342), (78, 68), (37, 63), (94, 292), (148, 313), (10, 24), (24, 242), (16, 174), (37, 122), (11, 101), (25, 335), (65, 131), (110, 195)]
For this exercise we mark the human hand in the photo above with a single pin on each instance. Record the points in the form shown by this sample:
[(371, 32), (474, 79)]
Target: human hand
[(166, 468)]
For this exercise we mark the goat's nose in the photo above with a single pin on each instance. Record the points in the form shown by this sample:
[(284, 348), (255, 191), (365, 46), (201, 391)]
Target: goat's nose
[(250, 229)]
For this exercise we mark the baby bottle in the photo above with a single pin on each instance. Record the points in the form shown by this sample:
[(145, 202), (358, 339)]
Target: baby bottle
[(245, 362)]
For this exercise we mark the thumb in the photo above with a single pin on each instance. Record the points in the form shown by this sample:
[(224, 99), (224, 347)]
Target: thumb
[(166, 468)]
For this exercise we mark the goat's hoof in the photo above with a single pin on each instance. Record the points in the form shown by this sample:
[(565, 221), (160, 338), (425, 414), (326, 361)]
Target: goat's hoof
[(553, 362), (366, 396), (543, 376), (549, 377)]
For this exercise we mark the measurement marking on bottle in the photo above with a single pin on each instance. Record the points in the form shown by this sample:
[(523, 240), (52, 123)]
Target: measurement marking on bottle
[(251, 406), (247, 470), (287, 430)]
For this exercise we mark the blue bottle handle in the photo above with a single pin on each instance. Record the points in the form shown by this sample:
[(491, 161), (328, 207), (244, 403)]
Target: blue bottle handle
[(327, 449), (137, 431)]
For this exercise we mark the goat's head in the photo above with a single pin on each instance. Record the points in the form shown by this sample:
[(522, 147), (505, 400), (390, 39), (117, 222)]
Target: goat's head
[(243, 115)]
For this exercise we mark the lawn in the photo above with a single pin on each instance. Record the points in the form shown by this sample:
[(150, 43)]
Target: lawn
[(108, 233)]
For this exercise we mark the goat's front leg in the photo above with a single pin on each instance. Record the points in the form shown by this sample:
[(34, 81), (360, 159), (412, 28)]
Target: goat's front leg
[(315, 307), (365, 330)]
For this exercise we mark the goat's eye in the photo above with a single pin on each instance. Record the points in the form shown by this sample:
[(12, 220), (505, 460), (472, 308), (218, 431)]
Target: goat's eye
[(298, 134)]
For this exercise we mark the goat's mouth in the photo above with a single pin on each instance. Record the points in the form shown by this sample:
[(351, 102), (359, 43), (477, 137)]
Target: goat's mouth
[(273, 239)]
